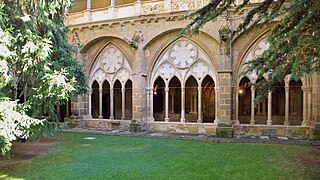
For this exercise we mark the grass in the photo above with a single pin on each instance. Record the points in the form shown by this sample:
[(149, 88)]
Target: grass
[(110, 157)]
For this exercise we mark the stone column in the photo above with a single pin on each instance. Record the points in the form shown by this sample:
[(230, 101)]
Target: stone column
[(67, 109), (269, 121), (166, 119), (253, 92), (88, 5), (113, 3), (123, 91), (309, 112), (237, 106), (199, 104), (66, 10), (167, 5), (304, 121), (183, 104), (149, 90), (172, 101), (216, 91), (139, 77), (151, 104), (138, 7), (111, 104), (286, 118), (100, 103), (90, 104)]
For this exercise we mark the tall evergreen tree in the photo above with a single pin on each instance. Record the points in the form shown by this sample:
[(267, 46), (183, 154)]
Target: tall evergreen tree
[(294, 39)]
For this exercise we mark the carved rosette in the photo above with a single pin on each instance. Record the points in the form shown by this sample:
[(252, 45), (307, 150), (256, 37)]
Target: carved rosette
[(111, 59), (167, 71), (183, 53), (200, 69)]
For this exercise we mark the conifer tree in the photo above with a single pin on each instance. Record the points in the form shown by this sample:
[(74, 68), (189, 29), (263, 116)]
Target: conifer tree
[(294, 39)]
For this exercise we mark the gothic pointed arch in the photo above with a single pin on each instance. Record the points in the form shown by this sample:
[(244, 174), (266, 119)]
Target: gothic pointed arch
[(111, 64)]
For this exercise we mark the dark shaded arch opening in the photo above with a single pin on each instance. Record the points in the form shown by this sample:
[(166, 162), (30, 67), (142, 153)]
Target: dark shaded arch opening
[(158, 99), (95, 100), (208, 100), (175, 99)]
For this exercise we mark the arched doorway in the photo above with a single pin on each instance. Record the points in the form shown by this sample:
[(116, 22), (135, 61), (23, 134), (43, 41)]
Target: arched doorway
[(208, 100), (106, 100), (191, 99), (175, 100), (128, 100), (244, 99), (158, 99), (117, 99), (95, 100)]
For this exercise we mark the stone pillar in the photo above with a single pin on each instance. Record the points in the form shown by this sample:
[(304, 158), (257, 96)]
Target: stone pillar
[(151, 104), (139, 100), (66, 10), (237, 107), (167, 5), (111, 104), (67, 109), (113, 3), (149, 90), (90, 104), (172, 101), (304, 120), (166, 119), (199, 104), (100, 103), (138, 7), (286, 116), (88, 5), (123, 91), (269, 121), (224, 99), (309, 112), (253, 92), (216, 91), (183, 104)]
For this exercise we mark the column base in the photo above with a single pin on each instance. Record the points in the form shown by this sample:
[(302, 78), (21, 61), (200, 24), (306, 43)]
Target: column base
[(112, 117), (252, 122), (286, 123), (123, 118), (199, 121), (183, 120), (236, 122), (100, 117), (269, 122)]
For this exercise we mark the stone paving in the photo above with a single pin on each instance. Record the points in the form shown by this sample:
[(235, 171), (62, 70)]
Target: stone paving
[(199, 137)]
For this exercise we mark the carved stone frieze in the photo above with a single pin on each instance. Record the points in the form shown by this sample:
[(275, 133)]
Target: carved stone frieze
[(153, 8)]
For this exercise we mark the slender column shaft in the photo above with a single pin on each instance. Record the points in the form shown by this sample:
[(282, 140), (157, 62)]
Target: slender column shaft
[(172, 102), (90, 104), (148, 102), (216, 121), (151, 104), (111, 104), (67, 109), (88, 4), (123, 91), (253, 92), (183, 118), (166, 119), (309, 105), (286, 118), (269, 121), (237, 107), (100, 103), (304, 121), (113, 3), (66, 10), (199, 104)]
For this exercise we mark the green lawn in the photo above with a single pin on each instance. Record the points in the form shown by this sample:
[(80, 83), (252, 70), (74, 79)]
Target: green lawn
[(110, 157)]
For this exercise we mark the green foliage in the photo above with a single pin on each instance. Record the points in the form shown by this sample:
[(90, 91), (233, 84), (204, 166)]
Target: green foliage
[(13, 124), (36, 66), (294, 39)]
